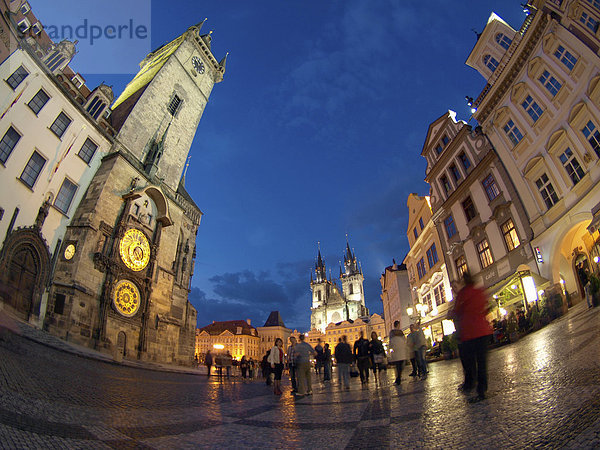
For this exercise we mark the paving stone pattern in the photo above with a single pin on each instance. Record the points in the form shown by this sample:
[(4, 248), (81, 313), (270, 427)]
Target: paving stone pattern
[(544, 393)]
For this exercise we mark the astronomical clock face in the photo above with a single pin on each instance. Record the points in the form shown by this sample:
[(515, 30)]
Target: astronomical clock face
[(69, 251), (126, 298), (134, 250)]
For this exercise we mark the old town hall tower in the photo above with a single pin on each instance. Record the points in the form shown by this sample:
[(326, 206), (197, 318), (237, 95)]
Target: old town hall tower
[(122, 280), (329, 305)]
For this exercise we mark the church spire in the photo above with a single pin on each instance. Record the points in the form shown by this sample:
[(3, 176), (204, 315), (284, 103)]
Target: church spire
[(320, 271)]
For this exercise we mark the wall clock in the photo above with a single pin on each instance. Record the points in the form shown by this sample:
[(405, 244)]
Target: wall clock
[(134, 249)]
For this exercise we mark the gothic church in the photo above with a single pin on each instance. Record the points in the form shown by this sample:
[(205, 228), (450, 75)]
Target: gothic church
[(329, 304)]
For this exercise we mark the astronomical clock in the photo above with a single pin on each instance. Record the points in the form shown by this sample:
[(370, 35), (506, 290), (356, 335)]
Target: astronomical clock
[(126, 298), (134, 249)]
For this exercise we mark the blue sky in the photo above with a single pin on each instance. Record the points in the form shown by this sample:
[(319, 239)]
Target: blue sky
[(315, 133)]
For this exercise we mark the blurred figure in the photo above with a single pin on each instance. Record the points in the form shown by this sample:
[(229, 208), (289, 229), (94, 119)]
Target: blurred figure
[(471, 308), (398, 350), (319, 357), (208, 361), (303, 353), (326, 363), (419, 345), (244, 366), (363, 361), (343, 359), (291, 360)]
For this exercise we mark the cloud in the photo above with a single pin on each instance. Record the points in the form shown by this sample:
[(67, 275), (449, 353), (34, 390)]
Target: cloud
[(253, 295)]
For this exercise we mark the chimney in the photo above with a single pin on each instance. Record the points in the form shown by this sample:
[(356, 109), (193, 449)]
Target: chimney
[(248, 320)]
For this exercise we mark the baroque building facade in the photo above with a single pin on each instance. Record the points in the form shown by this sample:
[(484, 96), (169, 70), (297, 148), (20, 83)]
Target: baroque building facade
[(329, 304), (273, 328), (479, 218), (238, 337), (427, 271), (540, 110), (125, 287)]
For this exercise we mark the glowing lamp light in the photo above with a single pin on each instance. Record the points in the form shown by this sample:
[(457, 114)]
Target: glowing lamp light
[(503, 311), (495, 297), (529, 288), (540, 292), (409, 311), (513, 286), (448, 327), (473, 110), (596, 259), (219, 346), (562, 281)]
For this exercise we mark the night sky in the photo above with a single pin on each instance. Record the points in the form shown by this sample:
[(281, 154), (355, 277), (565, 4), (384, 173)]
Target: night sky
[(314, 134)]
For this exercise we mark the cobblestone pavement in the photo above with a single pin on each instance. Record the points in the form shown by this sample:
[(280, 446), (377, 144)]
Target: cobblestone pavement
[(544, 393)]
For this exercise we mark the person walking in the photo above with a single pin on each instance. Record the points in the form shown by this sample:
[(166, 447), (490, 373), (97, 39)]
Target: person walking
[(410, 346), (303, 353), (326, 363), (398, 350), (377, 355), (318, 357), (276, 359), (343, 359), (208, 362), (244, 366), (363, 360), (251, 368), (471, 308), (291, 359), (419, 345)]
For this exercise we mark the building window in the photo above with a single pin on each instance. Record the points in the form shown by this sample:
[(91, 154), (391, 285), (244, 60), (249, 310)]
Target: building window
[(464, 160), (589, 22), (461, 265), (24, 25), (88, 149), (415, 233), (174, 105), (490, 62), (485, 254), (503, 40), (421, 268), (565, 57), (32, 169), (547, 191), (551, 84), (594, 3), (60, 125), (571, 165), (38, 101), (469, 209), (59, 304), (25, 8), (427, 301), (593, 136), (55, 60), (513, 132), (510, 235), (421, 225), (455, 173), (65, 195), (440, 294), (450, 226), (17, 77), (445, 141), (532, 108), (439, 149), (432, 257), (445, 184), (8, 143), (491, 188), (95, 107), (36, 28)]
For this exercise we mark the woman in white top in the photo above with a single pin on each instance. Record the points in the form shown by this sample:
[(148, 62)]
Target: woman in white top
[(276, 358), (398, 350)]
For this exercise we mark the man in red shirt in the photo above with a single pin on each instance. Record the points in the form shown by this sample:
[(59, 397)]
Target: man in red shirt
[(470, 311)]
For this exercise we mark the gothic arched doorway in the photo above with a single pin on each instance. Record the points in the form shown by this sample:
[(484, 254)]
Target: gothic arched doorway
[(24, 270)]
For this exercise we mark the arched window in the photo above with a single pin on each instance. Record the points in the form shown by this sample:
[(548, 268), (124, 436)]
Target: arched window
[(55, 60), (503, 40), (490, 62), (95, 107)]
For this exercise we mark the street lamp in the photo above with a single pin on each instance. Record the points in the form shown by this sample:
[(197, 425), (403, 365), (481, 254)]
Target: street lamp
[(409, 311)]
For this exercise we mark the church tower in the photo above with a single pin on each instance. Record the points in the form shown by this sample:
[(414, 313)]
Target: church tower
[(319, 286), (352, 278), (123, 286)]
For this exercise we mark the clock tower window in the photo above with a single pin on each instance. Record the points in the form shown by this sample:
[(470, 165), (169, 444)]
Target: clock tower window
[(174, 104)]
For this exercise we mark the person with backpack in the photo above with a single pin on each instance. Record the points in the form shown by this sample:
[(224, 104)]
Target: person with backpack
[(343, 359)]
